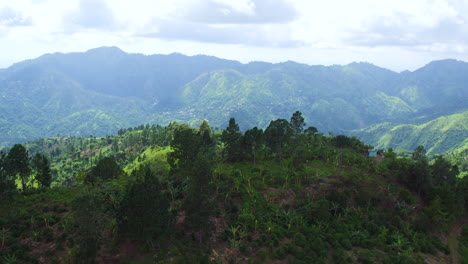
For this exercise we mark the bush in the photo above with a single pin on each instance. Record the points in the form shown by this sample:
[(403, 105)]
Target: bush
[(48, 234), (339, 256), (407, 197), (299, 240), (366, 257), (280, 253), (262, 254), (243, 248)]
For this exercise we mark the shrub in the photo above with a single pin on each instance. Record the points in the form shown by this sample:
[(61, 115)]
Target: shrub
[(280, 253), (48, 234), (366, 257), (339, 256), (299, 240), (262, 254)]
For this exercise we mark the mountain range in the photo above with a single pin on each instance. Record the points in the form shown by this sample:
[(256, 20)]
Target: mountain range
[(443, 134), (104, 89)]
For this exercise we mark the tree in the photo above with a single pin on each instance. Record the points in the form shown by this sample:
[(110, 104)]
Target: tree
[(7, 182), (393, 165), (420, 176), (106, 169), (207, 141), (311, 131), (252, 140), (277, 134), (144, 211), (197, 203), (43, 175), (419, 154), (462, 191), (186, 145), (297, 124), (231, 137), (18, 164), (298, 137), (443, 172), (342, 141), (87, 217)]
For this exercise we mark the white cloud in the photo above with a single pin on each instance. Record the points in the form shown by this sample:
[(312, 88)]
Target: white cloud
[(239, 12), (13, 18), (90, 14), (398, 34)]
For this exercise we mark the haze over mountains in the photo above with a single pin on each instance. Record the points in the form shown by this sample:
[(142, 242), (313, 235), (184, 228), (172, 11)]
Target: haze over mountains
[(104, 89)]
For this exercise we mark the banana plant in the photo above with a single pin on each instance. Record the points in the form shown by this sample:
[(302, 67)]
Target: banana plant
[(3, 235), (36, 235), (9, 259)]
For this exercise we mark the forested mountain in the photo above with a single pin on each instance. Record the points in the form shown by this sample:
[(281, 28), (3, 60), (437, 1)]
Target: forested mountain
[(441, 135), (104, 89), (179, 194)]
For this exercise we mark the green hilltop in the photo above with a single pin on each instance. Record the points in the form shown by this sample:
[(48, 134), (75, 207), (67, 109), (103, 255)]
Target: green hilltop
[(177, 194)]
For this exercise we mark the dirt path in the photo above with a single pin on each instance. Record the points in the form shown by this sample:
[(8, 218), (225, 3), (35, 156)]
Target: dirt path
[(453, 241)]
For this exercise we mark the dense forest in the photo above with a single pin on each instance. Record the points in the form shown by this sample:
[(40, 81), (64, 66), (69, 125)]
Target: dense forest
[(446, 134), (102, 90), (178, 194)]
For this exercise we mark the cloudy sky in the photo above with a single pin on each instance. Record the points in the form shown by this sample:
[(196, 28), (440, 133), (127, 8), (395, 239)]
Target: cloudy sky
[(395, 34)]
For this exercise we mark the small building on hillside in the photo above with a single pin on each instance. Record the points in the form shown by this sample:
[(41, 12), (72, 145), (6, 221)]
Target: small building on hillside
[(373, 153)]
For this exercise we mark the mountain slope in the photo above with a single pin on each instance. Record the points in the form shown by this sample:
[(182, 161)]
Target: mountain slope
[(332, 100), (104, 89), (438, 82), (441, 135), (42, 103)]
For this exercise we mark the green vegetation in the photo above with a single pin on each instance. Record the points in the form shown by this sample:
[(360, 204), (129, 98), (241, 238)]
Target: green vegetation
[(103, 90), (464, 245), (443, 135), (178, 194)]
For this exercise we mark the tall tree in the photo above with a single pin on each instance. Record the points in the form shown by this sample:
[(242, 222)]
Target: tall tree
[(252, 141), (144, 211), (7, 182), (231, 137), (419, 153), (311, 131), (297, 130), (206, 138), (443, 172), (198, 208), (297, 124), (42, 167), (277, 134), (186, 145), (342, 141), (420, 176), (106, 169), (87, 217), (18, 164)]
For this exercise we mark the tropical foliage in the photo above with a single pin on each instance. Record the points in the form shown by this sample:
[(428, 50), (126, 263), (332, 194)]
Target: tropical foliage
[(178, 194), (102, 90)]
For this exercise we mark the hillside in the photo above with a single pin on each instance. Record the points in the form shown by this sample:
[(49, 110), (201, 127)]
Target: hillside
[(104, 89), (175, 194), (442, 135)]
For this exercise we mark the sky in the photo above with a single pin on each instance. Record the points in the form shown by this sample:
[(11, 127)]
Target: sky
[(395, 34)]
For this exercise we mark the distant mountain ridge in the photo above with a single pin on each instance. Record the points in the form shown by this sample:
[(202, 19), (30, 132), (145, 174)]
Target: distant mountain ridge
[(439, 136), (104, 89)]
